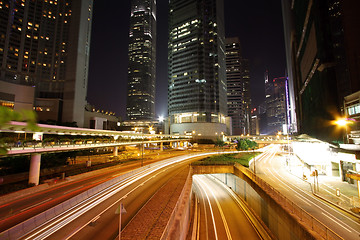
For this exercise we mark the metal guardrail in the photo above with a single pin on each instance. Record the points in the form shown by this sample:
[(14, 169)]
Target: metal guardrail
[(307, 219)]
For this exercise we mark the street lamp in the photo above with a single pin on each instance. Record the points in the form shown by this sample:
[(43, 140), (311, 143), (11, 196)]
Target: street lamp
[(343, 122), (151, 130)]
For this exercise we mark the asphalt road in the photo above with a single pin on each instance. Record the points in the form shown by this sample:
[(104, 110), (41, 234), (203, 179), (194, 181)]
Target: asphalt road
[(219, 213), (270, 166), (16, 211), (95, 218), (133, 198)]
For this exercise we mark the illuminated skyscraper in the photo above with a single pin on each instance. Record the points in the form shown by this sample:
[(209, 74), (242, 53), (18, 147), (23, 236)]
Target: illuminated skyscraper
[(322, 49), (46, 44), (276, 92), (142, 61), (238, 87), (197, 73)]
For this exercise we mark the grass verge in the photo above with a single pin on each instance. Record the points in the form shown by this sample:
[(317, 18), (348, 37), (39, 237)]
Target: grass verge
[(228, 159)]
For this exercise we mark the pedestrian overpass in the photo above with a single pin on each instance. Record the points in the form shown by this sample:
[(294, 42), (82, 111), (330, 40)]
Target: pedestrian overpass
[(115, 140)]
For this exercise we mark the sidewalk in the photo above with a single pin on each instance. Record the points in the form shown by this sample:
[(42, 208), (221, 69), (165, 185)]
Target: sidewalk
[(331, 189)]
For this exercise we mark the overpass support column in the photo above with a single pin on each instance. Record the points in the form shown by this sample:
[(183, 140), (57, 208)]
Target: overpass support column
[(34, 172), (161, 146), (115, 151)]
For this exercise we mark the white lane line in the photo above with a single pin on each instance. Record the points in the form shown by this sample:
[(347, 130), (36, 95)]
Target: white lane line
[(37, 204), (301, 198), (222, 214), (64, 193), (200, 190), (211, 210), (332, 193), (220, 209), (294, 187), (49, 227), (336, 221), (119, 174)]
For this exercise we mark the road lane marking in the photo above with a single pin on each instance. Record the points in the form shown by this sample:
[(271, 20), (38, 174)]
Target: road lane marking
[(37, 204), (336, 221), (205, 212), (116, 175), (209, 203), (221, 214), (64, 193), (312, 198), (54, 224)]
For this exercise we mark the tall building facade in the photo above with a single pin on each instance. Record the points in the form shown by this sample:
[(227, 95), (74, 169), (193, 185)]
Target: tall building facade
[(46, 44), (238, 87), (197, 101), (142, 61), (276, 104), (322, 59)]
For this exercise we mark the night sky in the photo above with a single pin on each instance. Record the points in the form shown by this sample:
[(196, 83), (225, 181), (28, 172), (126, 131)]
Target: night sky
[(258, 24)]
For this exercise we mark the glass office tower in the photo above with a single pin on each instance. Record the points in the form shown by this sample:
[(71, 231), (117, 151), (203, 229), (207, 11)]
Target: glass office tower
[(238, 87), (142, 61), (197, 71)]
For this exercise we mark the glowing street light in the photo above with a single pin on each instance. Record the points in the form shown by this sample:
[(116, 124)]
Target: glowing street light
[(343, 122)]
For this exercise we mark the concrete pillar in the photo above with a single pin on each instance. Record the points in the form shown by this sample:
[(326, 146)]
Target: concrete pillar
[(34, 172), (115, 151), (161, 146)]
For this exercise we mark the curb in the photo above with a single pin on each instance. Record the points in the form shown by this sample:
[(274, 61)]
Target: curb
[(336, 205), (326, 200)]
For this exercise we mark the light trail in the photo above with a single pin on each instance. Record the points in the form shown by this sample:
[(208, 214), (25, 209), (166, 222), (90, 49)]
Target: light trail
[(37, 204), (315, 203), (51, 226), (228, 234), (196, 181)]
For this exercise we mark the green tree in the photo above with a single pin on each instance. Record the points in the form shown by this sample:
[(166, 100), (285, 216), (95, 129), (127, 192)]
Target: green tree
[(219, 143), (246, 144), (251, 144), (242, 145), (8, 114)]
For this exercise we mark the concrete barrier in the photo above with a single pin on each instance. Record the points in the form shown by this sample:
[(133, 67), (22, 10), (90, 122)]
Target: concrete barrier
[(298, 222), (23, 228), (179, 221), (281, 216)]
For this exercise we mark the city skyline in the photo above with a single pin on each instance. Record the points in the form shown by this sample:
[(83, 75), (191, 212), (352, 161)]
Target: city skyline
[(262, 43)]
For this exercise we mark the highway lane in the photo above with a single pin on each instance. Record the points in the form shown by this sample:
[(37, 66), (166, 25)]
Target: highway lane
[(77, 218), (271, 168), (220, 214), (133, 198), (18, 210)]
